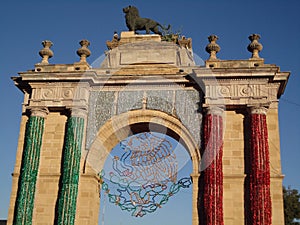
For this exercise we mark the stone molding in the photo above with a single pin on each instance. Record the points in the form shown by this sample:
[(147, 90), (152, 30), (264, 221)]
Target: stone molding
[(234, 176)]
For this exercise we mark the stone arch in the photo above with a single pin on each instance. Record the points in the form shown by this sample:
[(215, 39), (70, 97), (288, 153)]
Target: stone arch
[(121, 126)]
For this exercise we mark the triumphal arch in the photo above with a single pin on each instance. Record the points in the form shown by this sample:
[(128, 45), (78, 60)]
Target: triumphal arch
[(147, 90)]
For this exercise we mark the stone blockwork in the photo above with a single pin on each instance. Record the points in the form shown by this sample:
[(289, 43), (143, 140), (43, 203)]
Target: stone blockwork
[(144, 80), (134, 49)]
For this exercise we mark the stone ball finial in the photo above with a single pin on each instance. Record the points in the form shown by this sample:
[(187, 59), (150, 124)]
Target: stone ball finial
[(212, 48), (254, 47), (84, 52), (46, 52)]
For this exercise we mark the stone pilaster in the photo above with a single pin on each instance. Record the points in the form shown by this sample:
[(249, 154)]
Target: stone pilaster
[(260, 197), (29, 168), (212, 168), (71, 167), (195, 217)]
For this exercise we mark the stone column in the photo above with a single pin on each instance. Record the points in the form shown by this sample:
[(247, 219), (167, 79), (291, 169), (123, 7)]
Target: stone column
[(212, 166), (70, 171), (260, 198), (29, 166)]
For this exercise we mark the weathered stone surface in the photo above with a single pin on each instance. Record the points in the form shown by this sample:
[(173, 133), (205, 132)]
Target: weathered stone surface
[(146, 49)]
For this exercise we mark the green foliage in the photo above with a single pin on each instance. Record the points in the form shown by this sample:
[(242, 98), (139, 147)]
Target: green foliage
[(169, 35), (291, 201)]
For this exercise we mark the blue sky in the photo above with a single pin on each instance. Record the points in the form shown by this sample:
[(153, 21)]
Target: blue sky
[(25, 24)]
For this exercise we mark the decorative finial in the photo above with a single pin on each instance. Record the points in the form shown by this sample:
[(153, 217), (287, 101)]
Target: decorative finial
[(255, 47), (114, 42), (212, 48), (185, 42), (46, 52), (84, 52)]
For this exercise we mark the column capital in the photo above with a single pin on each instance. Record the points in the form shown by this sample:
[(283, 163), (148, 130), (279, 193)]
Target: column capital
[(258, 109), (38, 111), (215, 110), (77, 112)]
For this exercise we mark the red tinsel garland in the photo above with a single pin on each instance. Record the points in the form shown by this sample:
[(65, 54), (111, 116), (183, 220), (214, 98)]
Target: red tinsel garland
[(213, 174), (260, 198)]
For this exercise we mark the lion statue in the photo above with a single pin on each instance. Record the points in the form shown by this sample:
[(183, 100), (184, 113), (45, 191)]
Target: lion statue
[(134, 22)]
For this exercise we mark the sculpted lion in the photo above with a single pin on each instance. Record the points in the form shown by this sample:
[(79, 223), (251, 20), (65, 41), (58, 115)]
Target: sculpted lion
[(134, 22)]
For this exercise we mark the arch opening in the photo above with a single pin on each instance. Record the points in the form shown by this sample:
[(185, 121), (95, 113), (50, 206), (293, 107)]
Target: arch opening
[(147, 174)]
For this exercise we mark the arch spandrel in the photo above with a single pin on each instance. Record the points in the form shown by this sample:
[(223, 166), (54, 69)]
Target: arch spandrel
[(121, 126)]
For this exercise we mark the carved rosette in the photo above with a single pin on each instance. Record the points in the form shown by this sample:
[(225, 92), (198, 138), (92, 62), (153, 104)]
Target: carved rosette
[(213, 48), (84, 52), (46, 52), (254, 47)]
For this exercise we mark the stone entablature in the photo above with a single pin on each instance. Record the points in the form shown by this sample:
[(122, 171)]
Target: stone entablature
[(234, 86), (237, 86)]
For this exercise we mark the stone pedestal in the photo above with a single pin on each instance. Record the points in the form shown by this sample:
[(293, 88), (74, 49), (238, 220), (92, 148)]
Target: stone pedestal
[(134, 49)]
